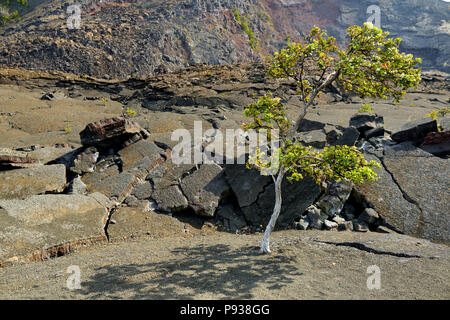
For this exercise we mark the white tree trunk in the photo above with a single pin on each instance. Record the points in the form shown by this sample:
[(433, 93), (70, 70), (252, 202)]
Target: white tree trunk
[(265, 245)]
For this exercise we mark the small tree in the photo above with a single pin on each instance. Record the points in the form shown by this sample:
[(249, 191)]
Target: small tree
[(370, 66)]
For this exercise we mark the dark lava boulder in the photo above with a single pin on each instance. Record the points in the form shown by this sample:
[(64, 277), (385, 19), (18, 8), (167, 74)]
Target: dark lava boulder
[(415, 130), (412, 193)]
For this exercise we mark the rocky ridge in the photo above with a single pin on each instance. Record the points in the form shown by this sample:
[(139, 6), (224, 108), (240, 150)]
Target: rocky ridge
[(135, 38)]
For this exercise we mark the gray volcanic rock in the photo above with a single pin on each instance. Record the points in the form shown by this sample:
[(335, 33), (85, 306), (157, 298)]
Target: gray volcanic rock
[(117, 187), (424, 182), (170, 198), (47, 225), (246, 184), (314, 138), (387, 199), (316, 217), (437, 143), (85, 161), (21, 183), (142, 191), (230, 219), (137, 151), (297, 197), (15, 158), (366, 122), (410, 194), (349, 137), (334, 198), (444, 123), (205, 188), (415, 130)]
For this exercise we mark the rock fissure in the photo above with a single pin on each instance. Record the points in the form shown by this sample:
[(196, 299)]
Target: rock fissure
[(258, 197), (365, 248), (405, 196)]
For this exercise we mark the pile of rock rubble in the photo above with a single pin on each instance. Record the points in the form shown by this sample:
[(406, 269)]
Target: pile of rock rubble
[(72, 197)]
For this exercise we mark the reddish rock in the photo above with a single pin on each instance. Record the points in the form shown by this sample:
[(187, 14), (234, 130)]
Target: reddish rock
[(437, 143), (112, 132), (14, 158)]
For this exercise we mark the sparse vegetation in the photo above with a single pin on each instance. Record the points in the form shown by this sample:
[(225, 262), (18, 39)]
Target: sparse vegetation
[(439, 113), (265, 17), (104, 100), (9, 11), (244, 23), (366, 107), (130, 112), (67, 129)]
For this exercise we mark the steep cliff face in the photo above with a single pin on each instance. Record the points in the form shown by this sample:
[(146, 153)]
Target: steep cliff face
[(126, 38), (424, 26)]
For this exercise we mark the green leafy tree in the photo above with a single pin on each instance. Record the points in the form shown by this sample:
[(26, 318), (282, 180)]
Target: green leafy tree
[(371, 65)]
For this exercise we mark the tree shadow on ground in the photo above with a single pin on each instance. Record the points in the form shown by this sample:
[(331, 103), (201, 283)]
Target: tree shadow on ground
[(214, 271)]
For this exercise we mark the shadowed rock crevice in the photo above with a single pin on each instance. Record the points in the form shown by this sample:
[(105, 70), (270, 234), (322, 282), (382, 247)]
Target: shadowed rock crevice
[(365, 248)]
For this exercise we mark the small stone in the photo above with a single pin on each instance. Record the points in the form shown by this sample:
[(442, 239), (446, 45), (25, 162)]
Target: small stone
[(338, 219), (349, 137), (170, 199), (316, 217), (303, 224), (77, 186), (360, 226), (330, 225), (346, 226), (85, 161), (130, 201), (337, 193)]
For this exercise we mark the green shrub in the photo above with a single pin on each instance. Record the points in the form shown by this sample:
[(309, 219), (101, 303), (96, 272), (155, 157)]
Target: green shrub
[(440, 112), (367, 107), (130, 112), (67, 129)]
